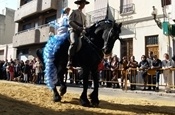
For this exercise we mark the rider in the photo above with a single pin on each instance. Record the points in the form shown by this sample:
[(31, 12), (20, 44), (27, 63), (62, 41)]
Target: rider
[(53, 45), (77, 23)]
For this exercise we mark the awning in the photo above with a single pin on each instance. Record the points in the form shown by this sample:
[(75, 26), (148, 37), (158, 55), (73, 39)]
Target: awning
[(126, 33)]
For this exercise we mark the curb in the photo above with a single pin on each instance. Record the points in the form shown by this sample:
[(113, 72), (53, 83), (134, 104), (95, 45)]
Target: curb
[(160, 93)]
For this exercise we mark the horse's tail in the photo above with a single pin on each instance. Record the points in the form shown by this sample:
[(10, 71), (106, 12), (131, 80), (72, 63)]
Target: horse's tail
[(52, 47)]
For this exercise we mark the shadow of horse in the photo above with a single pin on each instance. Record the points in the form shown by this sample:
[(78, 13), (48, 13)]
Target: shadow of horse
[(138, 109), (10, 106)]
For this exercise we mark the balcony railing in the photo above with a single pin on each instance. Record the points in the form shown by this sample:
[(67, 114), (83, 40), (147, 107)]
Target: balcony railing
[(99, 14), (127, 9), (34, 7), (32, 36), (27, 9), (49, 4)]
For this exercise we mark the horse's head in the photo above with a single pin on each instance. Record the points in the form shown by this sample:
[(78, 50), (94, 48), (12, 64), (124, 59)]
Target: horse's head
[(109, 32), (110, 35)]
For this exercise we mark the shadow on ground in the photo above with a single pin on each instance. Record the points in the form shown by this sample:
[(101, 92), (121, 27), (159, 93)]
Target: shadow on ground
[(9, 106), (137, 109)]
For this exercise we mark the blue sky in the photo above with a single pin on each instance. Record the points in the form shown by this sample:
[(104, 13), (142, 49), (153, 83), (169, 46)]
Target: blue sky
[(13, 4)]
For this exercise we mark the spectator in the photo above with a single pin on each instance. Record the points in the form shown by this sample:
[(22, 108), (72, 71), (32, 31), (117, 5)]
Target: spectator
[(26, 70), (150, 60), (38, 71), (7, 72), (167, 73), (144, 65), (101, 69), (124, 63), (156, 64), (1, 69), (107, 70), (17, 67), (115, 70), (132, 73), (11, 71)]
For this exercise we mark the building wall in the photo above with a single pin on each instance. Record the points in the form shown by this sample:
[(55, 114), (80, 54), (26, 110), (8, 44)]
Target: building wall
[(7, 26), (88, 8), (7, 52), (98, 4), (3, 52), (173, 9), (10, 26), (142, 9), (2, 28), (141, 23)]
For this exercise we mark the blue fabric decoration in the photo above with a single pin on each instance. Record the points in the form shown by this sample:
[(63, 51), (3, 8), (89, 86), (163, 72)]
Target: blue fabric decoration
[(53, 44), (51, 47)]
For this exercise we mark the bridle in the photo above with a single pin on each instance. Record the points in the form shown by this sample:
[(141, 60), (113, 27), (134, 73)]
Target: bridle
[(96, 49), (108, 36)]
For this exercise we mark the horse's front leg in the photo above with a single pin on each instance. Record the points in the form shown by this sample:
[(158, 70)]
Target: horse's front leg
[(94, 95), (60, 72), (83, 98), (56, 96)]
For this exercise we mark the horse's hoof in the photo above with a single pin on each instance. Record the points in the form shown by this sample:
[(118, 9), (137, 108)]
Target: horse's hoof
[(57, 98), (63, 90), (85, 102), (95, 103), (94, 100)]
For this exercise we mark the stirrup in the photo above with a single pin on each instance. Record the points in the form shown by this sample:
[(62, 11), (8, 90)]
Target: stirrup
[(69, 65)]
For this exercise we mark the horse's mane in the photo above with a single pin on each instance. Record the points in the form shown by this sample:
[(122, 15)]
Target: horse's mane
[(98, 25), (101, 22)]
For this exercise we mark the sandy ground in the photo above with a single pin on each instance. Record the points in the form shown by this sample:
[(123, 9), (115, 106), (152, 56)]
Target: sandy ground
[(28, 99)]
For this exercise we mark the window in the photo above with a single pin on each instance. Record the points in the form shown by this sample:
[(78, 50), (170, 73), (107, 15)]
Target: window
[(127, 48), (50, 19), (26, 1), (27, 26), (151, 44), (23, 51), (126, 6), (165, 2), (152, 40)]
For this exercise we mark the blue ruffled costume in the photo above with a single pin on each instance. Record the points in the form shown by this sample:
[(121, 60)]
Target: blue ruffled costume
[(53, 44)]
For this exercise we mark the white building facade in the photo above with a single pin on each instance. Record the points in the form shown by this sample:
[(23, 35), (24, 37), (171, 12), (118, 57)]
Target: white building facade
[(140, 32)]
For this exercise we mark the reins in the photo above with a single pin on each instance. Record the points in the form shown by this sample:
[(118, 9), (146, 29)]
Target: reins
[(93, 46)]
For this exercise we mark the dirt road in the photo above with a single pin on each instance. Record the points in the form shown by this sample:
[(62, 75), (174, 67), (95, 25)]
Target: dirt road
[(29, 99)]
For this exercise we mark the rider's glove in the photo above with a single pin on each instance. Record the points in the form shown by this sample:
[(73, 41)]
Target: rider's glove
[(80, 29)]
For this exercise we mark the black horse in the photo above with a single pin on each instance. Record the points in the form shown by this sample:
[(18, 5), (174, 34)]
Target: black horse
[(98, 40)]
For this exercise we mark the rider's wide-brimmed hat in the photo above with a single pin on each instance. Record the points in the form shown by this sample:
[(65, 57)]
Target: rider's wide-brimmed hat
[(80, 1)]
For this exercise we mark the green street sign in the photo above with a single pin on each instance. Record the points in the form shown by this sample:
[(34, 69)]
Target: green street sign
[(166, 28)]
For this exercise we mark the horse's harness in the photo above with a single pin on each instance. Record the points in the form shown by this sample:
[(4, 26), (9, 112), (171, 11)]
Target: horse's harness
[(93, 45)]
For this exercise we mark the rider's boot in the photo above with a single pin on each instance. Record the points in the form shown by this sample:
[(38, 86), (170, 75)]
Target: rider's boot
[(69, 63)]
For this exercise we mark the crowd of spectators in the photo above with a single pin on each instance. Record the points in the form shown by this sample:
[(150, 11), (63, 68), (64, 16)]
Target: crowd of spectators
[(29, 71), (110, 69)]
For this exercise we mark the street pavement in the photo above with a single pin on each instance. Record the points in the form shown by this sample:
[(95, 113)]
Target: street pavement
[(151, 95)]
